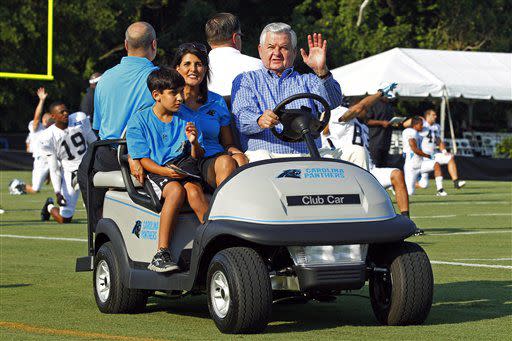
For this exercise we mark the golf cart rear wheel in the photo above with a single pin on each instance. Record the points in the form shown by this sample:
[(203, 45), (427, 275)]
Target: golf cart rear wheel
[(403, 294), (239, 291), (112, 297)]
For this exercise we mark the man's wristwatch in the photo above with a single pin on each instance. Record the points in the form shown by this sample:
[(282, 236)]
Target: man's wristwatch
[(325, 76)]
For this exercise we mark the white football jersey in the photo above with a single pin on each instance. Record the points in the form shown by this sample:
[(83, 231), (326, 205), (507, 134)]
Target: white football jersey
[(342, 134), (32, 139), (408, 134), (429, 135), (68, 145)]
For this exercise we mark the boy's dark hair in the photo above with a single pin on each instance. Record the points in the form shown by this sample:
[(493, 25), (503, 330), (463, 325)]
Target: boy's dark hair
[(53, 105), (415, 120), (165, 78), (220, 28)]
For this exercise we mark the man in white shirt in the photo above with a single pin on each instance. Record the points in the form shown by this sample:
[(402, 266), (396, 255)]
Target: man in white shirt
[(226, 61), (416, 160), (431, 138), (65, 142)]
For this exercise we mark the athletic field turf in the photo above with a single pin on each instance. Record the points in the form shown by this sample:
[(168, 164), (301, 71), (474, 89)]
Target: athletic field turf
[(468, 239)]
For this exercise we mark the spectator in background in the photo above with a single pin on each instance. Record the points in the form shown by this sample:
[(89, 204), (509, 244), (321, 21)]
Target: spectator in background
[(121, 91), (377, 119), (226, 61), (87, 103)]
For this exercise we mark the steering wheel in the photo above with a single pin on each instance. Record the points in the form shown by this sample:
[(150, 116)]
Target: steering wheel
[(297, 122)]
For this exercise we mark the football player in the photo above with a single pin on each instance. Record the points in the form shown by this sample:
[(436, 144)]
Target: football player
[(431, 137), (416, 160), (347, 137), (342, 137), (66, 142), (40, 168)]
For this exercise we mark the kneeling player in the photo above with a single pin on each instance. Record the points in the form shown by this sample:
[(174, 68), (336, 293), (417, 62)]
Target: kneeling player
[(417, 161), (65, 142), (36, 127), (431, 137)]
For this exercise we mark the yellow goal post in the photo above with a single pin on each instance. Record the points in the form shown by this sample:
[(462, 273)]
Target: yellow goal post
[(49, 60)]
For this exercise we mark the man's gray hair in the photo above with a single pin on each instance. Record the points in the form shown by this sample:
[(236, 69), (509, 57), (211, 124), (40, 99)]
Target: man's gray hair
[(279, 27), (140, 35)]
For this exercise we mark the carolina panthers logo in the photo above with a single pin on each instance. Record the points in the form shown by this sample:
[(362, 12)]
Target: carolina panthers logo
[(290, 173), (136, 229)]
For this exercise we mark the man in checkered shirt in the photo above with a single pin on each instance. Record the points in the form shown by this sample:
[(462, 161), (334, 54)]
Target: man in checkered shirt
[(256, 93)]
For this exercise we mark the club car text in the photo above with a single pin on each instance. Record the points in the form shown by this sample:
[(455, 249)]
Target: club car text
[(324, 199)]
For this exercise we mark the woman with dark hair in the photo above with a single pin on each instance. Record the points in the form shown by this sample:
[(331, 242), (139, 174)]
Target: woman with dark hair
[(210, 113)]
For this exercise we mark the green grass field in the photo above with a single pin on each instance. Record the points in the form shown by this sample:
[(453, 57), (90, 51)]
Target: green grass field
[(41, 297)]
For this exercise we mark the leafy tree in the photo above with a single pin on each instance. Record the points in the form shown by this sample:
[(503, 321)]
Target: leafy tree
[(89, 34)]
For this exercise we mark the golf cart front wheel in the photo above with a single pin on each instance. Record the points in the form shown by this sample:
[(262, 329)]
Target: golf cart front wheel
[(239, 291), (112, 297), (401, 295)]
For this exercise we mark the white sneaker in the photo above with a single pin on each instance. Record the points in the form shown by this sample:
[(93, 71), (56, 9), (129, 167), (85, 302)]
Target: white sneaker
[(459, 184), (441, 193)]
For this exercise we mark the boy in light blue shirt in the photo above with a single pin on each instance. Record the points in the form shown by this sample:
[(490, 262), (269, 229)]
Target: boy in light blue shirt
[(168, 147)]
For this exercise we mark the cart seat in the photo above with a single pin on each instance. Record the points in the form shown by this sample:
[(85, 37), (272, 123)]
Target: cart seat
[(112, 179)]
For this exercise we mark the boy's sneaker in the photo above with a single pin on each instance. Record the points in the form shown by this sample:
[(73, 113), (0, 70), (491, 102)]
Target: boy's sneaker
[(45, 215), (162, 262), (419, 232), (441, 193), (458, 184)]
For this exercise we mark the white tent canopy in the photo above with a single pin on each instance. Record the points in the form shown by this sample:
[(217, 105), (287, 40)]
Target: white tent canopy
[(422, 73), (436, 73)]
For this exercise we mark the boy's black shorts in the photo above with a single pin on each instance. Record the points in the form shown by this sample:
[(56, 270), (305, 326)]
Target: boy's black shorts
[(158, 182)]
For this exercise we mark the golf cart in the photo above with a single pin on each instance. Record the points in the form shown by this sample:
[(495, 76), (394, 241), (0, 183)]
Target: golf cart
[(307, 227)]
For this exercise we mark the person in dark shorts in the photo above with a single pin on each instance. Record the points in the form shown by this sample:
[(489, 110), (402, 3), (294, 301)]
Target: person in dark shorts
[(209, 113), (377, 119), (168, 147)]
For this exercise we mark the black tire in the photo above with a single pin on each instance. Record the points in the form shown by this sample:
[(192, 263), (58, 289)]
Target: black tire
[(403, 296), (119, 299), (250, 292)]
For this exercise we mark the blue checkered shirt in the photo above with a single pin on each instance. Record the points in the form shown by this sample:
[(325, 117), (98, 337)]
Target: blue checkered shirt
[(256, 91)]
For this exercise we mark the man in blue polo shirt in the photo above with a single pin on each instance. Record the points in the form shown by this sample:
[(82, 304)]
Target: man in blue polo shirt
[(121, 91), (256, 93)]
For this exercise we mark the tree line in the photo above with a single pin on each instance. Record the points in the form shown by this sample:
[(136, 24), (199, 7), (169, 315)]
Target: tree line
[(89, 34)]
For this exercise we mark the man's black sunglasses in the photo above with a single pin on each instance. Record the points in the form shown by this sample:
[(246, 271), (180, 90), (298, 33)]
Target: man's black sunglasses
[(197, 46)]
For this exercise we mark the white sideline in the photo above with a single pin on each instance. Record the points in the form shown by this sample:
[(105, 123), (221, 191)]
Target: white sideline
[(44, 238), (464, 203), (432, 261), (484, 259), (433, 216), (466, 233), (461, 215), (472, 265), (488, 214)]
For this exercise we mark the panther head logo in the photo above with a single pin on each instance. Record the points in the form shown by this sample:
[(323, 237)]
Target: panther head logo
[(290, 173), (136, 229)]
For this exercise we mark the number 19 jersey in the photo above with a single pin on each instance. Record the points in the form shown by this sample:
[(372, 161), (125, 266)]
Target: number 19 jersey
[(68, 145)]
